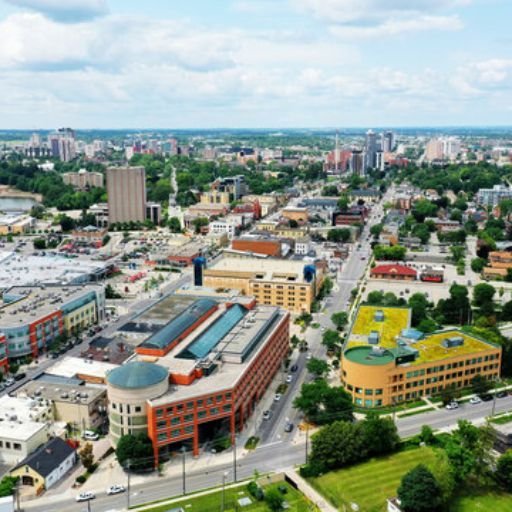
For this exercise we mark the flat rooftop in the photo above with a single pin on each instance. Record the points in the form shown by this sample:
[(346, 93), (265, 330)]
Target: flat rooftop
[(25, 304), (15, 422), (65, 393), (257, 268), (390, 338), (229, 341), (22, 270), (73, 366)]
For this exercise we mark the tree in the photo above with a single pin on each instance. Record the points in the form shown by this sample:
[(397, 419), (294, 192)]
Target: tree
[(483, 294), (444, 474), (455, 310), (338, 235), (174, 225), (274, 500), (380, 434), (87, 456), (340, 320), (323, 404), (338, 444), (317, 367), (506, 312), (503, 472), (135, 452), (424, 208), (480, 385), (478, 264), (8, 485), (39, 243), (427, 325), (421, 231), (198, 223), (110, 293), (418, 304), (66, 223), (331, 340), (393, 253), (376, 230), (343, 203), (419, 491), (427, 434)]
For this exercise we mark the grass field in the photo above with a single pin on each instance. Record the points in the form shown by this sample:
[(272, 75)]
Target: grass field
[(371, 483), (212, 502), (489, 501)]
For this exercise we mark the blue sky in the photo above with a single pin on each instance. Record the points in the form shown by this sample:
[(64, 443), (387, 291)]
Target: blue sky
[(254, 63)]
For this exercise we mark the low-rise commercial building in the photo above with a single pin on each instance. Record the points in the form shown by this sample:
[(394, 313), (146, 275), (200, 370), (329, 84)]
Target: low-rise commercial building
[(32, 317), (385, 362), (82, 406), (256, 244), (289, 284), (394, 272), (16, 224), (499, 264), (209, 382)]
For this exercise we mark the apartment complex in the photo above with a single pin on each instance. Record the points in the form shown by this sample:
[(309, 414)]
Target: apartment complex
[(207, 383), (126, 192), (83, 179), (386, 362), (492, 197), (286, 283), (32, 317)]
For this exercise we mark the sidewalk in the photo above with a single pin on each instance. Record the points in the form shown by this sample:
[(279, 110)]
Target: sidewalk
[(309, 492)]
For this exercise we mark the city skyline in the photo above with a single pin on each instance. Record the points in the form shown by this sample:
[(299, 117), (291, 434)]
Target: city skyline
[(241, 63)]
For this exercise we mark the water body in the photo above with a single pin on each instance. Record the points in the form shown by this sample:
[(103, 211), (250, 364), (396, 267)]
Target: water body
[(16, 204)]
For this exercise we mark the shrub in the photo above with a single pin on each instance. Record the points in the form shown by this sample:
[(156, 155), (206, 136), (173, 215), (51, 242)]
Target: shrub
[(81, 479)]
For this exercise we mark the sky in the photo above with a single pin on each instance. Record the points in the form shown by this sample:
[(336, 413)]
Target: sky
[(254, 63)]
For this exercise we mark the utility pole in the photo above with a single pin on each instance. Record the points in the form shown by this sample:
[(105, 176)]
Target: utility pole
[(224, 475), (183, 451), (307, 441), (128, 485), (234, 458)]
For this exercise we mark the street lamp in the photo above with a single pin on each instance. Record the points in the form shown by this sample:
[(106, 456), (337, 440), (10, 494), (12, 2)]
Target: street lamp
[(224, 476), (234, 458), (183, 451)]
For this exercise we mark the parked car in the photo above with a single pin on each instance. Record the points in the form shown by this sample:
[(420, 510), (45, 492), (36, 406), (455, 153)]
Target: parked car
[(475, 400), (85, 496), (267, 415), (277, 397), (115, 489), (20, 376), (9, 381), (452, 406), (89, 435), (486, 397), (288, 427), (289, 379), (501, 394), (294, 368)]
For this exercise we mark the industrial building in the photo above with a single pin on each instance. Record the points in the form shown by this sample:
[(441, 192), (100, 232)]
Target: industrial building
[(206, 383), (386, 362), (286, 283)]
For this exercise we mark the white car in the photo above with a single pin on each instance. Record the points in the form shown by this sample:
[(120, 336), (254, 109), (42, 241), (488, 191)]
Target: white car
[(9, 381), (85, 496), (452, 406), (475, 400), (89, 435), (115, 489), (289, 379), (277, 397)]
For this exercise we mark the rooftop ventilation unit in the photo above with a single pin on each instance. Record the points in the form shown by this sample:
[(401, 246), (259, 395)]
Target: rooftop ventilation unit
[(454, 341)]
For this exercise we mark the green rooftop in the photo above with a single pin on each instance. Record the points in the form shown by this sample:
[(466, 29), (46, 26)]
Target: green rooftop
[(366, 355)]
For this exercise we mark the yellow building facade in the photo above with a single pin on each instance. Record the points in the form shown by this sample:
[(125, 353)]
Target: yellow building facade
[(385, 362)]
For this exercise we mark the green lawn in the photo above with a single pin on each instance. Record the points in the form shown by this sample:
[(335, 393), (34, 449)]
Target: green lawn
[(212, 502), (369, 484), (502, 420), (490, 501)]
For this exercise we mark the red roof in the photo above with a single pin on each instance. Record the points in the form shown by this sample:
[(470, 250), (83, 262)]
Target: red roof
[(397, 270)]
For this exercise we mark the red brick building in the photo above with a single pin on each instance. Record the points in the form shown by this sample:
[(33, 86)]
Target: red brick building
[(258, 246), (206, 386)]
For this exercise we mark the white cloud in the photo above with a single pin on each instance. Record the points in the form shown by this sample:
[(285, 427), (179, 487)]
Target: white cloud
[(65, 10), (394, 27)]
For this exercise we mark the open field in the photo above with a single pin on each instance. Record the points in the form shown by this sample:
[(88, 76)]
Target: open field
[(491, 500), (212, 502), (369, 484)]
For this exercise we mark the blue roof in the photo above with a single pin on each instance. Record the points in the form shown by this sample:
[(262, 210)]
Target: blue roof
[(137, 375), (210, 338), (179, 324)]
